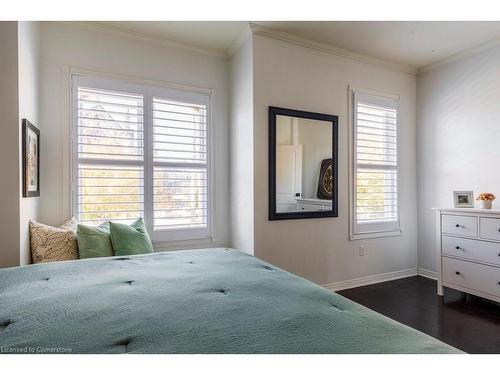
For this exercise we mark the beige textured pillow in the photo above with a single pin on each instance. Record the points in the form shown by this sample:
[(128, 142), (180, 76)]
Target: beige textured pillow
[(50, 244)]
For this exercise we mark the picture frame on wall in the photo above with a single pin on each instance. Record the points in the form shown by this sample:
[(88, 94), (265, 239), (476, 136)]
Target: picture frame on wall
[(463, 199), (31, 159)]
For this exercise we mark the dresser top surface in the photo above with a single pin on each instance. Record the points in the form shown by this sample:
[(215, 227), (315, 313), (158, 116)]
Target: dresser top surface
[(314, 200), (469, 210)]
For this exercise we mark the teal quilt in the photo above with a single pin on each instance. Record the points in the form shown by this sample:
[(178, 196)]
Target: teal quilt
[(193, 301)]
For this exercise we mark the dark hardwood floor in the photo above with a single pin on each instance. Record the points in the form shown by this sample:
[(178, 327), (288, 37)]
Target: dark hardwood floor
[(466, 322)]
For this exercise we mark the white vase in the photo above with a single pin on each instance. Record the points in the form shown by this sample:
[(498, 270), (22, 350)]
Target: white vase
[(485, 204)]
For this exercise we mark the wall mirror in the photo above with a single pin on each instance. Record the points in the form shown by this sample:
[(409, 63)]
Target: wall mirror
[(303, 164)]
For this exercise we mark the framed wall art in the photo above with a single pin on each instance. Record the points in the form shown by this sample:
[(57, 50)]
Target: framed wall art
[(31, 159)]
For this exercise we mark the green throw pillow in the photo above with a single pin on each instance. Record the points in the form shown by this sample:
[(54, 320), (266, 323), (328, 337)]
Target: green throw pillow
[(130, 239), (94, 242)]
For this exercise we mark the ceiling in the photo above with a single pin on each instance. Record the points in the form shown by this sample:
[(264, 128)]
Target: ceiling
[(412, 44), (214, 36)]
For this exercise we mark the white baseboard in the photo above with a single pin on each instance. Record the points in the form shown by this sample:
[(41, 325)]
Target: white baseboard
[(426, 273), (373, 279)]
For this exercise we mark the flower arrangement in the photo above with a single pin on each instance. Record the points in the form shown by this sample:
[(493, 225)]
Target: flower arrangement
[(486, 197)]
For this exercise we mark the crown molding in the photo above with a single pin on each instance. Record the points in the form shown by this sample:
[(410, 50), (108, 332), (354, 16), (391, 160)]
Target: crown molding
[(308, 43), (460, 55), (256, 29), (165, 42)]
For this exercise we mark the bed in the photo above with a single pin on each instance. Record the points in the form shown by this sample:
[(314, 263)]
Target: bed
[(193, 301)]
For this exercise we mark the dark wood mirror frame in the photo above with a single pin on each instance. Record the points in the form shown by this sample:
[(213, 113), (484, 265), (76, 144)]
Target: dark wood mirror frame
[(273, 113)]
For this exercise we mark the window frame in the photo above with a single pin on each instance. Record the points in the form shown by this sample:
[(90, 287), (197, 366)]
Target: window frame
[(149, 90), (383, 229)]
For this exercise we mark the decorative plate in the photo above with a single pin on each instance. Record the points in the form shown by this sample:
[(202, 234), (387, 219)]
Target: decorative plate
[(325, 183)]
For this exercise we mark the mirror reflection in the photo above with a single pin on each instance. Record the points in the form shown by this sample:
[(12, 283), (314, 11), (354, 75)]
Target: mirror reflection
[(304, 173)]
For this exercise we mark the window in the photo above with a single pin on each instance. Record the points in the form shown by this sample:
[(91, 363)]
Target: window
[(375, 166), (141, 151), (180, 165)]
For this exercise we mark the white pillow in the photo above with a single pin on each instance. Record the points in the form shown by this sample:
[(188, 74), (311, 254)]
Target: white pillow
[(50, 244)]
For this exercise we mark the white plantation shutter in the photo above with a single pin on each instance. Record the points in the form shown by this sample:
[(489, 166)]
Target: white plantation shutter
[(110, 156), (180, 197), (375, 165), (142, 151)]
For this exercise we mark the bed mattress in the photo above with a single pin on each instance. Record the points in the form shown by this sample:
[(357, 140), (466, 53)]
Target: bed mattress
[(193, 301)]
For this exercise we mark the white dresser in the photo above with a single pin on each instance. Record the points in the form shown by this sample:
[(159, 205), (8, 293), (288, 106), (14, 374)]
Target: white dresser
[(468, 247), (313, 204)]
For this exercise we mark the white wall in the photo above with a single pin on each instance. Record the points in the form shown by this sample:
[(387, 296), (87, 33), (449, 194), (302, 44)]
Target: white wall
[(458, 138), (457, 114), (9, 146), (241, 164), (81, 46), (288, 75), (29, 97)]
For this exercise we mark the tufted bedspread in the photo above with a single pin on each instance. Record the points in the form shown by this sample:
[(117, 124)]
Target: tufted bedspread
[(194, 301)]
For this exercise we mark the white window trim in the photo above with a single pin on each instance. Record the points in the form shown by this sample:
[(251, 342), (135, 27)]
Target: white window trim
[(148, 89), (353, 235)]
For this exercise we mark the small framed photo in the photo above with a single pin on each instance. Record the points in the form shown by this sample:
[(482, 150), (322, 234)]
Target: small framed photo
[(463, 199), (31, 160)]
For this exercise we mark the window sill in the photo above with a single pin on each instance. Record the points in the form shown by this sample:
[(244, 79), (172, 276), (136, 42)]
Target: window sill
[(362, 236), (183, 244)]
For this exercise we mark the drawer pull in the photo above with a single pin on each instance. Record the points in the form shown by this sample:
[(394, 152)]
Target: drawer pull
[(458, 273), (458, 225), (458, 248), (499, 229)]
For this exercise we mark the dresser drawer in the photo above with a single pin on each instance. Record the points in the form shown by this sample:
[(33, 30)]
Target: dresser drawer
[(481, 251), (473, 276), (489, 228), (311, 207), (459, 225)]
